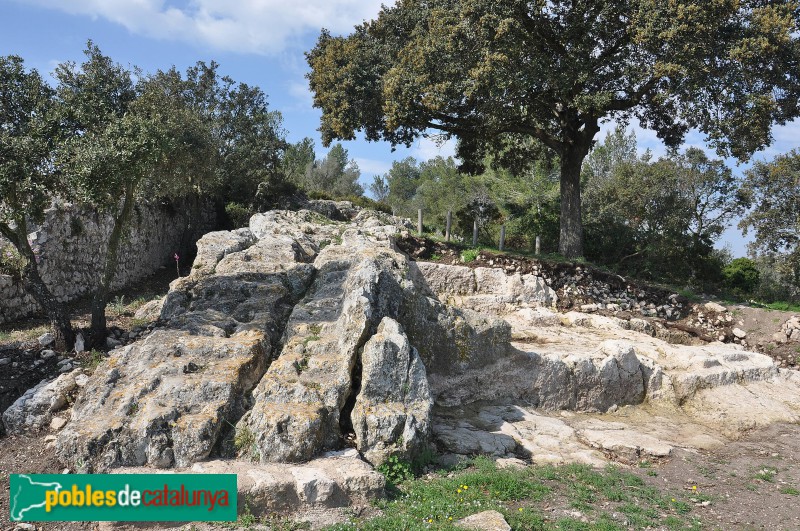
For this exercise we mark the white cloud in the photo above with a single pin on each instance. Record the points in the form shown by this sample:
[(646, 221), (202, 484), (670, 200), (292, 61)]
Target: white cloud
[(427, 148), (251, 26), (301, 93), (373, 166)]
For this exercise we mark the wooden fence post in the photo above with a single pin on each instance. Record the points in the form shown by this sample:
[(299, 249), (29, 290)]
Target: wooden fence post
[(449, 222), (419, 221), (538, 244), (502, 237), (475, 233)]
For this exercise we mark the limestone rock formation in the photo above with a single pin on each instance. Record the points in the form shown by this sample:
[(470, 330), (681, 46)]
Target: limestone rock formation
[(485, 521), (166, 400), (395, 401), (35, 408), (275, 347), (310, 332), (297, 406)]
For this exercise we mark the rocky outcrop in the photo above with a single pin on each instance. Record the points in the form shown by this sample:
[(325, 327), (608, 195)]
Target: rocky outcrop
[(392, 411), (484, 288), (167, 400), (306, 334), (284, 342), (298, 405), (334, 480), (34, 410), (327, 482)]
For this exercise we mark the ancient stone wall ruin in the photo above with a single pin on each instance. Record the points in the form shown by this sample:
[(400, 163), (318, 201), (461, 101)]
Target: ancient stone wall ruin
[(71, 242)]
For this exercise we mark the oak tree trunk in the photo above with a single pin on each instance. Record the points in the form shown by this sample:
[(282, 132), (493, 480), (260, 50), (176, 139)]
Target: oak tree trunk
[(575, 149), (570, 242), (100, 298)]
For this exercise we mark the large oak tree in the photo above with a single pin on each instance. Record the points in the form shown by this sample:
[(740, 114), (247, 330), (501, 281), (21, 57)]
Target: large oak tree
[(509, 75)]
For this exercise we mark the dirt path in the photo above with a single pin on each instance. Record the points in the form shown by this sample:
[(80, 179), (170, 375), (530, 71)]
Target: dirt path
[(753, 483)]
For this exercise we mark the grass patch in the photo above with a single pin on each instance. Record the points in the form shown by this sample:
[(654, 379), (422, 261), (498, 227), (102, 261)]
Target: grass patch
[(783, 306), (791, 491), (469, 255), (610, 499), (23, 335), (766, 474), (117, 305), (689, 294), (245, 443)]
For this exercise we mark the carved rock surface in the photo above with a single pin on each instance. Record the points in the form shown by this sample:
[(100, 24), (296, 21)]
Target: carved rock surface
[(297, 409), (392, 412)]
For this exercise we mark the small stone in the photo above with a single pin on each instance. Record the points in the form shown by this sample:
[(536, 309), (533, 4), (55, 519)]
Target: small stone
[(4, 361), (714, 307), (79, 343), (57, 423), (47, 354), (64, 362), (46, 339), (81, 380), (112, 343), (65, 368), (510, 462), (485, 521), (738, 332)]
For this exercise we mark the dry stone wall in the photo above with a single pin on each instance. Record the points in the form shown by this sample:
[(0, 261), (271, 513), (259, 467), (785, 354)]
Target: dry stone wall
[(71, 243)]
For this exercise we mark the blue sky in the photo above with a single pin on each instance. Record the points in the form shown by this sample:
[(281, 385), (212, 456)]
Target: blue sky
[(259, 42)]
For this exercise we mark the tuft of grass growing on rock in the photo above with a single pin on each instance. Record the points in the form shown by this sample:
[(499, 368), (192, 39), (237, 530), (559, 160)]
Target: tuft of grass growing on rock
[(245, 443), (94, 360)]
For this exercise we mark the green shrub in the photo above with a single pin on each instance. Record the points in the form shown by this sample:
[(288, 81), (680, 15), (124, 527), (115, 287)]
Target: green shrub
[(238, 214), (741, 276), (470, 255), (396, 470)]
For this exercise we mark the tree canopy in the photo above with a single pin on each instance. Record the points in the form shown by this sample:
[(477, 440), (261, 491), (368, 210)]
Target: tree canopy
[(511, 75), (28, 136), (773, 189)]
